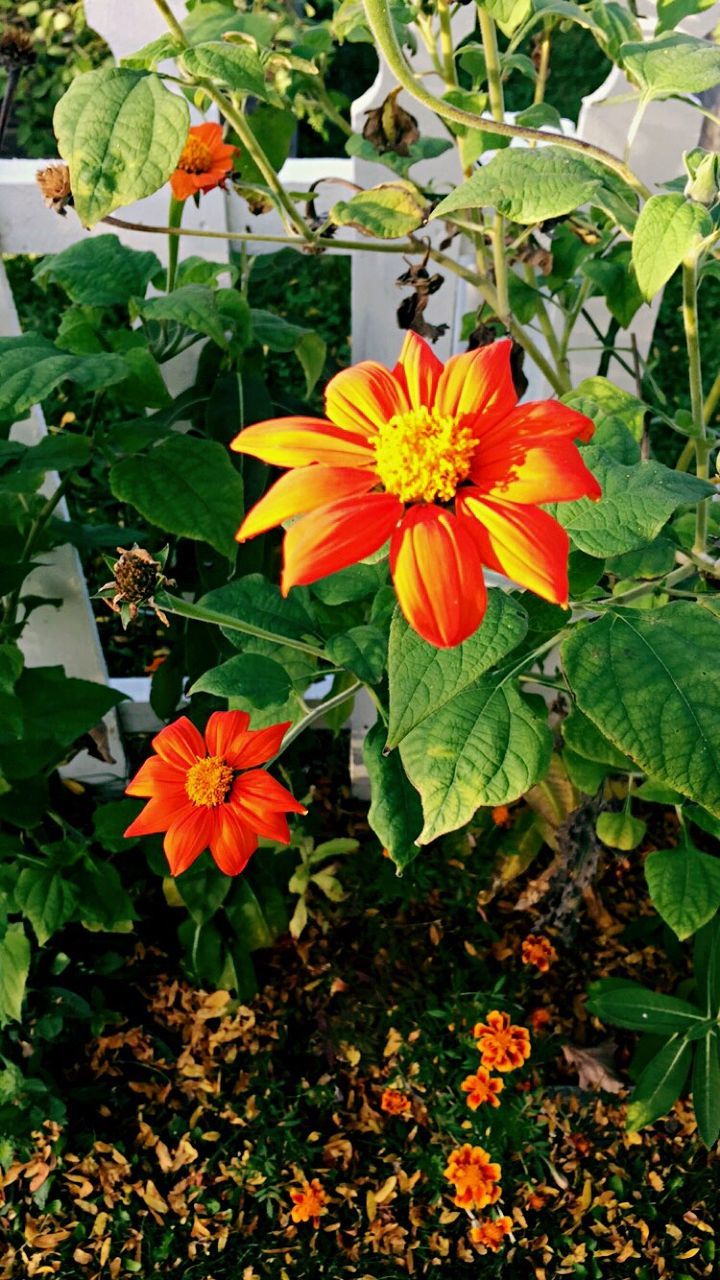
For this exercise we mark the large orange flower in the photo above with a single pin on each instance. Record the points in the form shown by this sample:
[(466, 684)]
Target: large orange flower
[(204, 163), (440, 460), (474, 1176), (204, 792)]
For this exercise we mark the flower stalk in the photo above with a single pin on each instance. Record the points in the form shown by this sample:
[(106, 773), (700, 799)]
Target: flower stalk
[(697, 407)]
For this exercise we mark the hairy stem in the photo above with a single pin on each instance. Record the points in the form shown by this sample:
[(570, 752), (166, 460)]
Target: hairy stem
[(175, 214), (497, 107), (447, 50), (543, 67), (317, 712), (700, 440)]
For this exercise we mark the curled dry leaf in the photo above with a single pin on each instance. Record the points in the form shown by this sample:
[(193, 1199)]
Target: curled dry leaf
[(594, 1066)]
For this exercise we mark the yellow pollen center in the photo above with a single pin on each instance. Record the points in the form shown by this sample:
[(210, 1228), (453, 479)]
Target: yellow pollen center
[(421, 456), (208, 781), (196, 157)]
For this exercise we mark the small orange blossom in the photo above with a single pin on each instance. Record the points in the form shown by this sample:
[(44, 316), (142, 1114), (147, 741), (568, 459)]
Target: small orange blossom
[(205, 162), (395, 1103), (503, 1047), (309, 1201), (474, 1176), (538, 951), (492, 1233), (482, 1087)]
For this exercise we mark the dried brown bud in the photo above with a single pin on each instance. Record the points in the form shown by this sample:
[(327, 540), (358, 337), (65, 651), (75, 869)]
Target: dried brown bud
[(390, 128), (136, 577), (54, 184), (16, 48)]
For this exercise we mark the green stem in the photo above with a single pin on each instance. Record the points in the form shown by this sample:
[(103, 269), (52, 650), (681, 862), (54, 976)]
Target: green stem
[(544, 67), (198, 613), (175, 215), (171, 20), (700, 441), (447, 50), (712, 401), (317, 712), (497, 108), (381, 25)]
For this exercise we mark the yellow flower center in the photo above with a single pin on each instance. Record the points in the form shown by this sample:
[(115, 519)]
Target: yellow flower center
[(196, 156), (208, 781), (421, 456)]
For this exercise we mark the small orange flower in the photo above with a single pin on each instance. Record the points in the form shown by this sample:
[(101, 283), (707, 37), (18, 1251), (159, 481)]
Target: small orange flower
[(501, 815), (491, 1234), (538, 1019), (482, 1087), (395, 1103), (475, 1178), (204, 163), (441, 462), (536, 1200), (539, 951), (503, 1047), (204, 791), (309, 1202)]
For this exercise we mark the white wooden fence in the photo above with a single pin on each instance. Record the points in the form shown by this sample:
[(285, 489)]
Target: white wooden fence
[(68, 635)]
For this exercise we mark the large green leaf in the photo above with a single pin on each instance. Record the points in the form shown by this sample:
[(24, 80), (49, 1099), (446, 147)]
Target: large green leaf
[(706, 1087), (638, 1008), (259, 681), (256, 600), (101, 272), (46, 898), (671, 12), (390, 211), (667, 229), (660, 1084), (684, 886), (648, 681), (186, 486), (31, 367), (618, 416), (584, 738), (636, 502), (236, 66), (14, 970), (247, 917), (527, 186), (706, 963), (193, 305), (424, 679), (674, 64), (395, 813), (362, 650), (484, 747), (56, 711), (121, 133)]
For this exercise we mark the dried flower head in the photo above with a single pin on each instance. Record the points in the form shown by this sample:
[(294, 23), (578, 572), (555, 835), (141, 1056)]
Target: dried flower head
[(538, 951), (390, 128), (136, 577), (309, 1202), (54, 184), (474, 1176), (16, 48), (482, 1087), (395, 1103), (491, 1234), (503, 1047)]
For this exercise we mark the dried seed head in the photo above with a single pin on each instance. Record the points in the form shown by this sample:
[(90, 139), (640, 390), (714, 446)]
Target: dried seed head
[(54, 184), (137, 575), (391, 128), (16, 48)]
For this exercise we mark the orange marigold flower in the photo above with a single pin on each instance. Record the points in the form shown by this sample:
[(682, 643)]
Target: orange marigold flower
[(395, 1103), (309, 1202), (205, 162), (538, 1019), (503, 1047), (474, 1177), (205, 792), (539, 951), (440, 460), (482, 1087), (501, 815), (491, 1234)]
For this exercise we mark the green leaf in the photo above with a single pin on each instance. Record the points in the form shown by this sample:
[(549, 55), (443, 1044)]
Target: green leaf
[(246, 917), (617, 283), (636, 502), (193, 305), (104, 905), (660, 1084), (357, 582), (620, 830), (277, 334), (121, 133), (618, 416), (647, 680), (674, 64), (637, 1008), (100, 272), (61, 452), (484, 747), (395, 813), (255, 599), (45, 899), (706, 1088), (423, 149), (186, 486), (147, 58), (389, 211), (585, 739), (424, 679), (526, 186), (14, 970), (508, 14), (362, 650), (671, 12), (57, 710), (617, 26), (110, 821), (668, 228), (236, 66), (684, 886), (706, 962), (203, 888), (31, 367), (259, 681), (564, 9)]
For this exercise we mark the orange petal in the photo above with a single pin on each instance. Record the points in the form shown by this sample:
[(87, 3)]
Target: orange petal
[(301, 490), (209, 132), (180, 743), (154, 775), (232, 843), (223, 729), (296, 442), (523, 542), (264, 809), (160, 813), (418, 371), (255, 746), (527, 472), (363, 397), (183, 184), (542, 421), (187, 837), (336, 536), (438, 576), (478, 383)]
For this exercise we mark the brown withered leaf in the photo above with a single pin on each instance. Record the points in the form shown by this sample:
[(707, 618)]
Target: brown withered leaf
[(595, 1067), (391, 128)]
